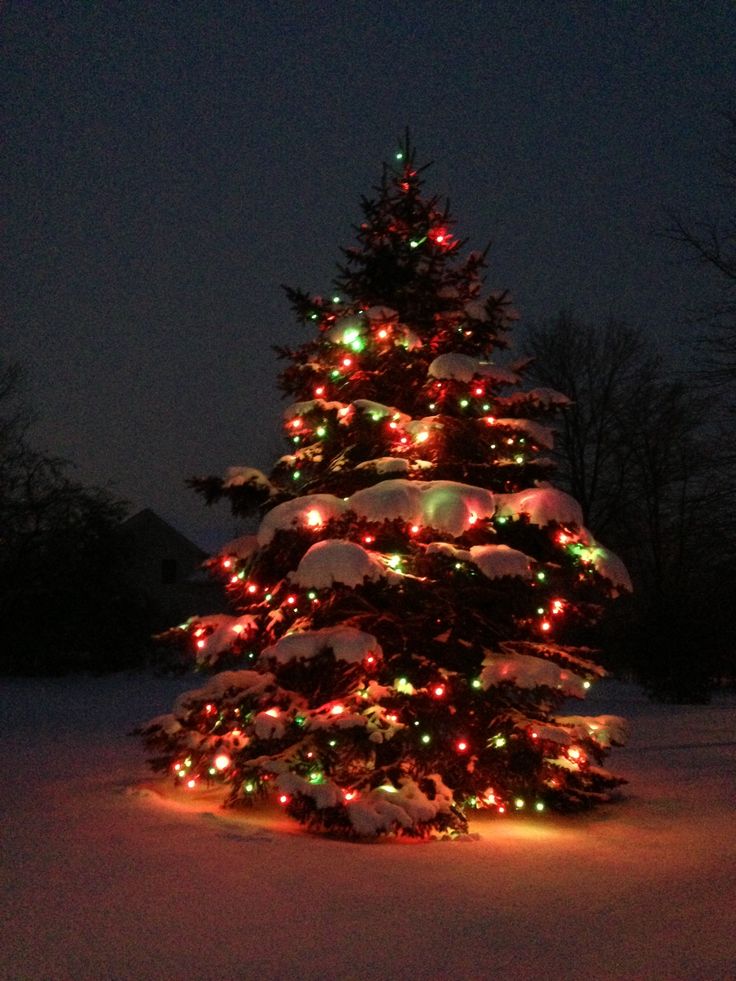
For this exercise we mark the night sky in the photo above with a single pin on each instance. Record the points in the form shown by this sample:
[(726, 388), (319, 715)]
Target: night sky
[(166, 166)]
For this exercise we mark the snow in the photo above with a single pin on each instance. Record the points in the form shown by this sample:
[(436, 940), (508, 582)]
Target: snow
[(385, 464), (446, 505), (239, 476), (317, 508), (110, 874), (610, 565), (336, 561), (494, 561), (530, 672), (346, 643), (461, 367), (542, 505), (542, 435)]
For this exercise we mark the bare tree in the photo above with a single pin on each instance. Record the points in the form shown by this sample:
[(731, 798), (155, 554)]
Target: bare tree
[(712, 243), (640, 451)]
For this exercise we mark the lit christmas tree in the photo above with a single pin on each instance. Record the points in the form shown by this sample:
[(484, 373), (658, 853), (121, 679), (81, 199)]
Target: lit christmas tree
[(400, 642)]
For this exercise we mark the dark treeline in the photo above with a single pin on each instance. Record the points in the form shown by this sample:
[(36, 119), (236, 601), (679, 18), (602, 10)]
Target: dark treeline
[(649, 456), (66, 601)]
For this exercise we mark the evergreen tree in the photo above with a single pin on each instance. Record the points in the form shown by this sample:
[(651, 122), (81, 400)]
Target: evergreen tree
[(404, 621)]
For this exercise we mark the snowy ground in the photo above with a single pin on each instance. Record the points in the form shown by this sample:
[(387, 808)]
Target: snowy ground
[(101, 882)]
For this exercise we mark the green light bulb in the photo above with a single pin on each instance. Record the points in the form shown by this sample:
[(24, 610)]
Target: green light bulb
[(426, 738)]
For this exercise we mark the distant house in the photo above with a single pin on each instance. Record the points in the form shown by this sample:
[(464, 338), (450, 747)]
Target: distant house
[(167, 568)]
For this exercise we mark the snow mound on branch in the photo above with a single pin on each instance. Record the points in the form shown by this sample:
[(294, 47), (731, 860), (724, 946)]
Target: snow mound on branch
[(461, 367), (239, 682), (612, 568), (346, 643), (219, 632), (385, 464), (606, 730), (380, 411), (385, 809), (540, 434), (238, 476), (336, 561), (346, 329), (443, 504), (240, 548), (324, 795), (526, 671), (301, 510), (304, 408), (542, 505), (494, 561), (381, 315)]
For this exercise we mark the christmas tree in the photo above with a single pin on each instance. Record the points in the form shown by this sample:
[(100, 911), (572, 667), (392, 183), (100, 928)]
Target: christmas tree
[(402, 626)]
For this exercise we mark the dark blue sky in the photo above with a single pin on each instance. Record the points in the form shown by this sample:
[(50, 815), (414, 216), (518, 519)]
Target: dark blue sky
[(165, 166)]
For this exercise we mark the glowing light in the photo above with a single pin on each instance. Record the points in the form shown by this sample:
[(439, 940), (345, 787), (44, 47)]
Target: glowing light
[(191, 783), (557, 606), (426, 738), (337, 710), (501, 809), (534, 735), (403, 440), (464, 403), (423, 436), (321, 431), (472, 518), (346, 362), (541, 576), (252, 588), (383, 333), (563, 538), (370, 659), (478, 390), (319, 391), (519, 459), (312, 595), (499, 742), (221, 762), (335, 299), (314, 518), (350, 794), (476, 683), (297, 423), (296, 475), (234, 580), (368, 539), (545, 625), (284, 799), (575, 754), (249, 788), (539, 806), (490, 420), (226, 563), (395, 561), (414, 529), (519, 803), (201, 644), (586, 684), (273, 712), (291, 600), (210, 709), (461, 746), (439, 691)]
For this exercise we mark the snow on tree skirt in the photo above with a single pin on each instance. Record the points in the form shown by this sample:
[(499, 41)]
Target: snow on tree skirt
[(399, 649)]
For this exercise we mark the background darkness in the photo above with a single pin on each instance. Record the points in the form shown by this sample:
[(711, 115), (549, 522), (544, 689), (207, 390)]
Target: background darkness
[(166, 166)]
